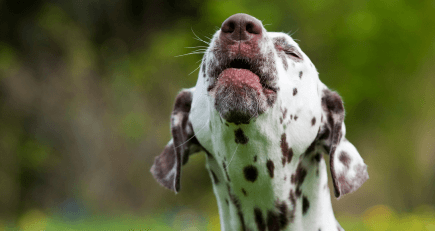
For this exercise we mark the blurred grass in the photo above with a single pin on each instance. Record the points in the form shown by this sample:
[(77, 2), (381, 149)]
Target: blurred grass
[(87, 87), (376, 218)]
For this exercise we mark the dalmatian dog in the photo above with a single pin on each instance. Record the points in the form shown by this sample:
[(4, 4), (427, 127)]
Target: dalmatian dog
[(264, 120)]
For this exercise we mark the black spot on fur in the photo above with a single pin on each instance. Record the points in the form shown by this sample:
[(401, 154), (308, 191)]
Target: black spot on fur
[(270, 168), (272, 221), (305, 205), (244, 192), (295, 91), (311, 148), (225, 170), (214, 177), (317, 157), (324, 134), (241, 138), (292, 199), (296, 117), (236, 203), (299, 178), (283, 220), (313, 121), (300, 74), (251, 173), (278, 220), (259, 219)]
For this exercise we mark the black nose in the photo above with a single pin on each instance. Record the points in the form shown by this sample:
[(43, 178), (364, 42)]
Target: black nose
[(241, 27)]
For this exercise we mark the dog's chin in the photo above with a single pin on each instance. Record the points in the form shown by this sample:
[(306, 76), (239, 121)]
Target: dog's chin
[(239, 96)]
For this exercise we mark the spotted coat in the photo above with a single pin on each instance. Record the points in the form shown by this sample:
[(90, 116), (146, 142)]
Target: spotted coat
[(264, 120)]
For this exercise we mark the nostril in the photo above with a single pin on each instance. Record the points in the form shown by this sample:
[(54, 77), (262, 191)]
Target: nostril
[(228, 27), (252, 28), (249, 27)]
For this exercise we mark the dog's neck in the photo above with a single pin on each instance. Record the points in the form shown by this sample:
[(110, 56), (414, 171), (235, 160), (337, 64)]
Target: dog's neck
[(260, 185)]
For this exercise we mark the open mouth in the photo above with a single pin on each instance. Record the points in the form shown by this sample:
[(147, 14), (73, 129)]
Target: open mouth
[(248, 73), (241, 91)]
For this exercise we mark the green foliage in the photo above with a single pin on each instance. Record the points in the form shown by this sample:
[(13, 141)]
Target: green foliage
[(87, 88)]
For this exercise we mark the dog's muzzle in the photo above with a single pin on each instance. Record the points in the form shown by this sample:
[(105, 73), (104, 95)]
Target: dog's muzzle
[(242, 91)]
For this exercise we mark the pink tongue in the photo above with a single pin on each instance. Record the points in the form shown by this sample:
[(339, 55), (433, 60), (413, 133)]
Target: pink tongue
[(239, 78)]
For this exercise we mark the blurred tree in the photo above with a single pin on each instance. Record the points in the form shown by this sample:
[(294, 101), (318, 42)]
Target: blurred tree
[(86, 90)]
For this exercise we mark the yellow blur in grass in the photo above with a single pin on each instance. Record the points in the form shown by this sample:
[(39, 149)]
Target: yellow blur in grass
[(33, 220), (376, 218), (382, 218)]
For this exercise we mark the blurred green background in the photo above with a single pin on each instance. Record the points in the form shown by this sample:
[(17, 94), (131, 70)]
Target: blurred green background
[(87, 87)]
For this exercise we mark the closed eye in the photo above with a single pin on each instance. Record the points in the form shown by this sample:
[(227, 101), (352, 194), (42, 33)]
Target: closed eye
[(291, 51)]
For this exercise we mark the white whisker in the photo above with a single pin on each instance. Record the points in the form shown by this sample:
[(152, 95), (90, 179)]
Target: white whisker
[(233, 156), (194, 70)]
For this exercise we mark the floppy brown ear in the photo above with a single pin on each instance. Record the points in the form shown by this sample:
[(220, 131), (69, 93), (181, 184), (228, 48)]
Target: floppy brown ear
[(348, 170), (167, 166)]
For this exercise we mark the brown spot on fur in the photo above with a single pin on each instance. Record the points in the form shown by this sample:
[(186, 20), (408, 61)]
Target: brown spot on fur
[(295, 91), (283, 220), (284, 113), (345, 159), (311, 148), (272, 221), (287, 152), (259, 219), (313, 121), (299, 178), (300, 74)]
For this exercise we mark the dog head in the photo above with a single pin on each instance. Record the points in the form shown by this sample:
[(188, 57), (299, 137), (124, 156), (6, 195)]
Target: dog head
[(250, 77)]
